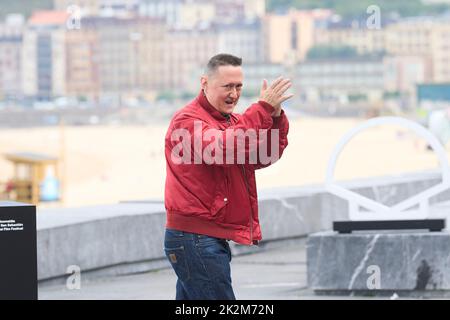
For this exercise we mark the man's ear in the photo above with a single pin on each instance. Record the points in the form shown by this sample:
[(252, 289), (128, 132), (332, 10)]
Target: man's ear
[(204, 82)]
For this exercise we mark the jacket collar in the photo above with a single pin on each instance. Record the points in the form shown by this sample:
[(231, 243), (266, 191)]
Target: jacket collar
[(209, 108)]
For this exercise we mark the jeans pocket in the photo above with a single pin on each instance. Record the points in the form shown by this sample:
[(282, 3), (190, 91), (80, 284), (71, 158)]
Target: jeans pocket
[(176, 254)]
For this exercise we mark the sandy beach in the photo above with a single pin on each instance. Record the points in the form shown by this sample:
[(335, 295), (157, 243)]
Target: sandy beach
[(108, 164)]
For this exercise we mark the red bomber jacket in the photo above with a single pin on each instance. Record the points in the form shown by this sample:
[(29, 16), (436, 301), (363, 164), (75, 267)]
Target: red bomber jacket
[(210, 184)]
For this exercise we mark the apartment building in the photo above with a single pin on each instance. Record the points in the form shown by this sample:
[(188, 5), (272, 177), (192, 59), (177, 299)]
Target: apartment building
[(340, 78), (44, 55), (11, 37), (241, 39), (82, 67), (424, 37), (186, 54), (98, 7), (287, 38), (352, 33)]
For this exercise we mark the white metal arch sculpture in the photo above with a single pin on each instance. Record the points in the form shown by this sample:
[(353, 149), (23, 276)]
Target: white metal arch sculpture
[(380, 211)]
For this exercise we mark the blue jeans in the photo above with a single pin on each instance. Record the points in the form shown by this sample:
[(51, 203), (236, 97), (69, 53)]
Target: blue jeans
[(202, 265)]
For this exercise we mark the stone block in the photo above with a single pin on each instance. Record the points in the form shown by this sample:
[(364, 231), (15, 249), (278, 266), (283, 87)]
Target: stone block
[(383, 261)]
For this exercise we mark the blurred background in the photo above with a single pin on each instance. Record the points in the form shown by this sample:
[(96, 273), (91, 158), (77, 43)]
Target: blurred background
[(87, 87)]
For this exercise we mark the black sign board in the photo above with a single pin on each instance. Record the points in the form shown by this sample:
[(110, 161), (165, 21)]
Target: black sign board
[(18, 251), (427, 224)]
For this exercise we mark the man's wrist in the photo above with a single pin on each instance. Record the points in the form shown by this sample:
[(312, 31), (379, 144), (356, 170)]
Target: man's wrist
[(277, 112), (267, 106), (279, 117)]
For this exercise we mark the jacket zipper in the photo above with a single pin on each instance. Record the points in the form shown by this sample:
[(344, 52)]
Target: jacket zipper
[(248, 193), (250, 201)]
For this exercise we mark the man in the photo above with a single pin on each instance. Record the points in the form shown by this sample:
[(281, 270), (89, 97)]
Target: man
[(210, 192)]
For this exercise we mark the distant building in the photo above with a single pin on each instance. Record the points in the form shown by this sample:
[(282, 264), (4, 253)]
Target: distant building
[(425, 37), (114, 56), (168, 10), (98, 7), (87, 7), (402, 74), (179, 14), (186, 53), (82, 65), (229, 11), (119, 5), (185, 14), (254, 9), (352, 33), (255, 73), (441, 52), (11, 37), (44, 55), (117, 57), (419, 38), (148, 45), (340, 79), (241, 39), (363, 77), (111, 57), (288, 37), (195, 14)]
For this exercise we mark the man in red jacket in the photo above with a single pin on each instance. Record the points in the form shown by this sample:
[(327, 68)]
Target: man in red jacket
[(210, 193)]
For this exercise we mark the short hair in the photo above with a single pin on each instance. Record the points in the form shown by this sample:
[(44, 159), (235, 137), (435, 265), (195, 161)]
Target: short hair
[(222, 59)]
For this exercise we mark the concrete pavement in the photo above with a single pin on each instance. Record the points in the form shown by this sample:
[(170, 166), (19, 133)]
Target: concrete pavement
[(276, 273)]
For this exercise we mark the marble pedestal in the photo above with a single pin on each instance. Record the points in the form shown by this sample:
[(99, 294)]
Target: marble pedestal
[(379, 262)]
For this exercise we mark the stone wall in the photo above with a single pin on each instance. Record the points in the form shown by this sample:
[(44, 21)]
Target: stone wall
[(128, 237)]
